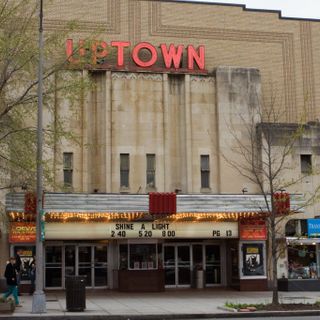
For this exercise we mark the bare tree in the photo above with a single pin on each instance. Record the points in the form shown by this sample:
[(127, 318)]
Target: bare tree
[(263, 156), (18, 96)]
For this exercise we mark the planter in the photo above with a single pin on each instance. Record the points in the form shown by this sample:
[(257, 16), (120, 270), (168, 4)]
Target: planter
[(298, 284), (7, 306)]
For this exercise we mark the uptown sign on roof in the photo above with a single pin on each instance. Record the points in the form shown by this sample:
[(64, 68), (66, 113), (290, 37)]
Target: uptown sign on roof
[(120, 55)]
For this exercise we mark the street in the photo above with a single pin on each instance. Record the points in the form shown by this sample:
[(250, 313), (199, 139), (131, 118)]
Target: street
[(269, 318)]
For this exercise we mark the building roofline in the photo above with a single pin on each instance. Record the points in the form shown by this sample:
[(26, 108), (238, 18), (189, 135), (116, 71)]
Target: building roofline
[(244, 7)]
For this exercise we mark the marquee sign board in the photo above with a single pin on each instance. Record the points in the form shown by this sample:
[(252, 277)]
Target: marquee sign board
[(22, 232), (142, 230)]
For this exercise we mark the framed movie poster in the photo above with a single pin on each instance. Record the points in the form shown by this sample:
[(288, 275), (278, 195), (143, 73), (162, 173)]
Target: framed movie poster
[(26, 254), (253, 259)]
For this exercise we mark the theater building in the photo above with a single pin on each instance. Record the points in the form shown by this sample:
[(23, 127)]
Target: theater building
[(148, 192)]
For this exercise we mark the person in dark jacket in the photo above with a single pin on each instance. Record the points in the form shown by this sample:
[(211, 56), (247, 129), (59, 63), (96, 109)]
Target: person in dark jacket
[(18, 266), (11, 276)]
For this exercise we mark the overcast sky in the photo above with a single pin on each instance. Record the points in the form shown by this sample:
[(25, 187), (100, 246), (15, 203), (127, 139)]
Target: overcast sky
[(289, 8)]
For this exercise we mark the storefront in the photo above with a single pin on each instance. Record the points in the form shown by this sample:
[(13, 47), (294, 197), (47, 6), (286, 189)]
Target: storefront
[(134, 256), (22, 243), (139, 250), (148, 265), (303, 256)]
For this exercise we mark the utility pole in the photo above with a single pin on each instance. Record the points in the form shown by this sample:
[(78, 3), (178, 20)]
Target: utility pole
[(39, 298)]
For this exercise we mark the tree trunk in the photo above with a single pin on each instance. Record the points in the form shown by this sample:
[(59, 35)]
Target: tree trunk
[(275, 293)]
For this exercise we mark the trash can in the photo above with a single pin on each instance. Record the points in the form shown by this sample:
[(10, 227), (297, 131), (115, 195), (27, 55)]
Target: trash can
[(76, 293), (199, 279)]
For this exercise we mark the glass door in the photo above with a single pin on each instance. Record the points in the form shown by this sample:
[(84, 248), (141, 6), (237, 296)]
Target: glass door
[(213, 264), (169, 262), (53, 267), (177, 265), (100, 266), (183, 265), (85, 263), (90, 260), (70, 260)]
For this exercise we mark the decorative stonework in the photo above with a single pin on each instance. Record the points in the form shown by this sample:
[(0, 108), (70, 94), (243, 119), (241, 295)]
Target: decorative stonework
[(307, 68), (136, 76), (284, 39), (134, 19), (205, 79), (110, 23)]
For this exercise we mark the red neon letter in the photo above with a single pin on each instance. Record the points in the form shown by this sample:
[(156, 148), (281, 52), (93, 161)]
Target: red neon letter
[(70, 52), (198, 57), (99, 50), (120, 45), (172, 55), (150, 48)]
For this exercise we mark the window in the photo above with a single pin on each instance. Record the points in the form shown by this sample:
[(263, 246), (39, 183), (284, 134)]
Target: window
[(302, 262), (306, 163), (138, 256), (151, 170), (297, 228), (205, 171), (124, 170), (67, 169)]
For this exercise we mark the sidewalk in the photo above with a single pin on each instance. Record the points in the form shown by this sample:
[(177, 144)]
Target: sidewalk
[(171, 304)]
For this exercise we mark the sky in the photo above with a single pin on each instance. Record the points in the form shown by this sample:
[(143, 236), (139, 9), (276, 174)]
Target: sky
[(290, 8)]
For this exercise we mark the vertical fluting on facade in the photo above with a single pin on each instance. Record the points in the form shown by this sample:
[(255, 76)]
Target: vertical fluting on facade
[(188, 134), (166, 169), (108, 131)]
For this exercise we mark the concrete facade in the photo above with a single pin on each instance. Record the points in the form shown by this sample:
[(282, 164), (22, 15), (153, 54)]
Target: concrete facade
[(176, 117), (121, 116)]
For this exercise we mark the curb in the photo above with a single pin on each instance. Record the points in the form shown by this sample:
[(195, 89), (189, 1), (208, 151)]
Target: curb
[(224, 308), (254, 314)]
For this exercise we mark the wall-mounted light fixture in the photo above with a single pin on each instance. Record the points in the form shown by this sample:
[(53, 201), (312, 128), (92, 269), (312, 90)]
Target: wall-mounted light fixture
[(244, 190)]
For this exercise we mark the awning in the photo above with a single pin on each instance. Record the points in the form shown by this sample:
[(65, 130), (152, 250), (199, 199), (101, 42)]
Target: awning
[(302, 241)]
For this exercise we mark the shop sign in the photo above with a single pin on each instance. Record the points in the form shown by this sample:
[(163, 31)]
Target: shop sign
[(253, 229), (313, 228), (282, 202), (115, 55), (142, 230), (22, 232)]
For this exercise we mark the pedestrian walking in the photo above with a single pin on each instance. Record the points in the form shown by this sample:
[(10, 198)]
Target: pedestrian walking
[(11, 277), (18, 266)]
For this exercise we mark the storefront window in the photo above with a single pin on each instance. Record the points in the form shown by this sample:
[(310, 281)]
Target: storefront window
[(143, 256), (302, 262), (138, 256)]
